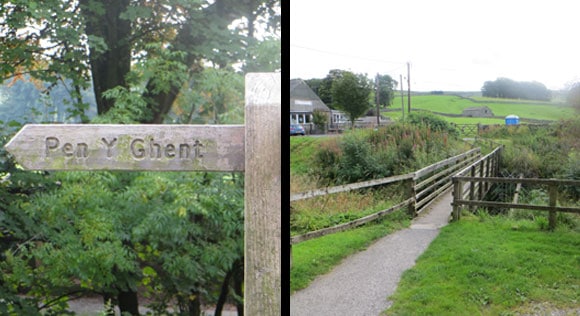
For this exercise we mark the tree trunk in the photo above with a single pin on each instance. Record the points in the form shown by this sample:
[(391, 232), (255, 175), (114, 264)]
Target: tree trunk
[(160, 102), (195, 305), (128, 302), (110, 66), (239, 284), (224, 293)]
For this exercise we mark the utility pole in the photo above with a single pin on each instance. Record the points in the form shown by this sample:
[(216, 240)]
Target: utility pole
[(409, 86), (377, 95), (402, 98)]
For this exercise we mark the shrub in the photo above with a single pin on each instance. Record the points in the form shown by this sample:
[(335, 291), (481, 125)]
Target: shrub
[(521, 160), (319, 118), (326, 162), (358, 162), (371, 154), (434, 122), (572, 172)]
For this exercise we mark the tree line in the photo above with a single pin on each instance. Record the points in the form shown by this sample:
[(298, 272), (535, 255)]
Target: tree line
[(509, 89), (353, 93)]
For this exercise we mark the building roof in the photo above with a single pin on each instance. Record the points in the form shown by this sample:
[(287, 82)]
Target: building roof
[(303, 99), (477, 108)]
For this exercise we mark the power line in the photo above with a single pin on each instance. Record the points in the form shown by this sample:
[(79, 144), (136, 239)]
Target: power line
[(351, 56)]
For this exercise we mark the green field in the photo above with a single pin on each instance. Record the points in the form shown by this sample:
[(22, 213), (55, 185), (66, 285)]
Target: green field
[(455, 105), (493, 266)]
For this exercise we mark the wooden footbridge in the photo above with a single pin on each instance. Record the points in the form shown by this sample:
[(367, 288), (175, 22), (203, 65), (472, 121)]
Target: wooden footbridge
[(471, 177)]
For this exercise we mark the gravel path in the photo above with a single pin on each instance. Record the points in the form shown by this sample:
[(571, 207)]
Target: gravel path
[(93, 306), (361, 284)]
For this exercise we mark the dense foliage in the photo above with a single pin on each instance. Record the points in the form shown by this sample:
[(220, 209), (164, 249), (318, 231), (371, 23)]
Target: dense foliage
[(174, 237), (126, 50), (323, 88), (542, 152), (391, 150)]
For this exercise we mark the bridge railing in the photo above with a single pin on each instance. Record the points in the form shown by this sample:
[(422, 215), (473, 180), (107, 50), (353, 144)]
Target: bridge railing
[(485, 167), (553, 186), (424, 186)]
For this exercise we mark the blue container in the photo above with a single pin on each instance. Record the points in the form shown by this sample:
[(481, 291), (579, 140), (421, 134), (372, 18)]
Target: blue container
[(512, 120)]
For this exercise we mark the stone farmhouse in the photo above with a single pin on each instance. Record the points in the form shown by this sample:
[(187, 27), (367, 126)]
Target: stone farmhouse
[(477, 111)]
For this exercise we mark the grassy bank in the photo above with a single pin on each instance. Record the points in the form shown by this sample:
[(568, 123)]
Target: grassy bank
[(318, 256), (492, 266), (302, 149)]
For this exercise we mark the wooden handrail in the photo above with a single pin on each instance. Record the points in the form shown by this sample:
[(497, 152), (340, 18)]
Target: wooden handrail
[(345, 226), (517, 180), (349, 187)]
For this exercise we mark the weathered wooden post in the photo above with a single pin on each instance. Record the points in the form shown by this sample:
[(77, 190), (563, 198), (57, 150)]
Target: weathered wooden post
[(553, 198), (472, 188), (263, 195), (457, 195), (411, 187), (481, 174)]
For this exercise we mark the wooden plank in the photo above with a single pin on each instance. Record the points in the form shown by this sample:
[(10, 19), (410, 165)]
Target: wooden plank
[(517, 180), (348, 187), (263, 195), (518, 206), (446, 171), (341, 227), (433, 186), (517, 192), (371, 183), (430, 199), (482, 159), (422, 172), (129, 147)]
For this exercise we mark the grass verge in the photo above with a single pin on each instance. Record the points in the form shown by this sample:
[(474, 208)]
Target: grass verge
[(318, 256), (302, 149), (492, 266)]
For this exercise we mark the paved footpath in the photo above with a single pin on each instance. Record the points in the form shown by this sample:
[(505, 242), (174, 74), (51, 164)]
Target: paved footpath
[(361, 284)]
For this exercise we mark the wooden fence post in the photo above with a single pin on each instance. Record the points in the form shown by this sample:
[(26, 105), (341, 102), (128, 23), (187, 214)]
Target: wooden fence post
[(263, 195), (481, 174), (488, 173), (412, 209), (457, 195), (553, 198), (472, 189)]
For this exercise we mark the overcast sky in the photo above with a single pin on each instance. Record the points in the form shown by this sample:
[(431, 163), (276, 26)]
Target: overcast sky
[(450, 44)]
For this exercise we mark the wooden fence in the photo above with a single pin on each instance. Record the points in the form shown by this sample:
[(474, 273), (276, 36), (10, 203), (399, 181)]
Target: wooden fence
[(553, 185), (487, 166), (474, 130), (424, 186)]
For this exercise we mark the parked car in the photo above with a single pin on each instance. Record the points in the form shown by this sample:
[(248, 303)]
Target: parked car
[(296, 129)]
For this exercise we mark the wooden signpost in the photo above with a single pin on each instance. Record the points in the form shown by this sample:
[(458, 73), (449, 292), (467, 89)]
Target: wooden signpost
[(253, 148), (129, 147)]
